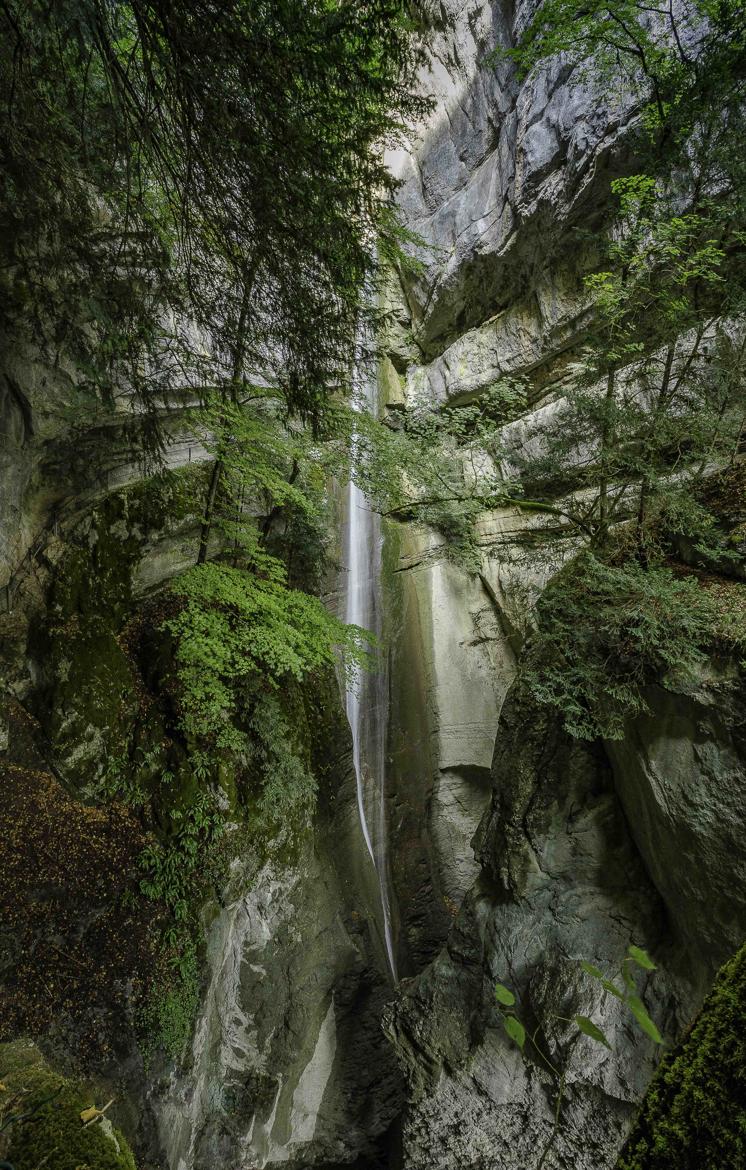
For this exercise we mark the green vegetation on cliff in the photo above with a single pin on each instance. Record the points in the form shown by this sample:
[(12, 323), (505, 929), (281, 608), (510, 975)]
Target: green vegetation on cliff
[(189, 201), (197, 709), (694, 1113), (631, 479)]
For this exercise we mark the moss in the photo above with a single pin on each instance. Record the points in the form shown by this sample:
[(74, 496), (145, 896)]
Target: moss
[(171, 497), (55, 1135), (329, 737), (111, 708), (694, 1114), (167, 1018), (92, 695)]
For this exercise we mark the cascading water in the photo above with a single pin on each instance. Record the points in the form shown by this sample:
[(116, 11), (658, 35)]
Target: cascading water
[(366, 698)]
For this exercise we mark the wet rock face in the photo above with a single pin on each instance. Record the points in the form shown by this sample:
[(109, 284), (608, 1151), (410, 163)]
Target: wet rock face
[(288, 1064), (562, 879), (500, 177)]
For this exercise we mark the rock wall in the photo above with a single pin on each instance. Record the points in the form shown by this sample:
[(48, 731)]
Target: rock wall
[(514, 863), (287, 1063), (564, 876)]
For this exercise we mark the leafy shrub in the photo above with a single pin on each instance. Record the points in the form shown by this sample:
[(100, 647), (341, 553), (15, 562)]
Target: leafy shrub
[(173, 871), (605, 631), (235, 625), (288, 786)]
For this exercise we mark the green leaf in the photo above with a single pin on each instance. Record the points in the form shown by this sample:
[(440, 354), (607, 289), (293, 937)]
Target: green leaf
[(642, 958), (591, 970), (515, 1030), (588, 1028), (612, 987), (637, 1007), (628, 980), (504, 995)]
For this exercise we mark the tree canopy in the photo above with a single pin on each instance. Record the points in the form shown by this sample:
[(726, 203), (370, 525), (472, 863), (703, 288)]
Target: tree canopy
[(191, 190)]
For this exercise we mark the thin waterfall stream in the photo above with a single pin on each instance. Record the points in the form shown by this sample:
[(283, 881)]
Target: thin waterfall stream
[(366, 698)]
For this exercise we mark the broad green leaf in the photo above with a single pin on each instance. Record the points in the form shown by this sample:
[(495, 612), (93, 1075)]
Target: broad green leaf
[(515, 1030), (642, 958), (588, 1028), (591, 970), (504, 995), (612, 987), (639, 1011), (629, 981)]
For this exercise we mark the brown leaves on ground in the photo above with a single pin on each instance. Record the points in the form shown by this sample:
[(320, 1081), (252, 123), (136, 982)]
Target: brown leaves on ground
[(76, 948)]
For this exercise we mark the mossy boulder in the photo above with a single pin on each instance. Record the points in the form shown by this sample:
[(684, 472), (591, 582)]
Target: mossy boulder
[(694, 1113), (49, 1130)]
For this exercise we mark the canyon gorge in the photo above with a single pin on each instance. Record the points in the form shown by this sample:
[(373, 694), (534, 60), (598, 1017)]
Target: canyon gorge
[(343, 1008)]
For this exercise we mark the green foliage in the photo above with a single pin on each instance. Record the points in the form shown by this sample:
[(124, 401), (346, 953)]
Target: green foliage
[(440, 467), (588, 1028), (657, 401), (216, 163), (273, 476), (693, 1115), (627, 993), (504, 995), (641, 957), (515, 1030), (234, 625), (288, 791), (605, 631), (175, 871), (167, 1019)]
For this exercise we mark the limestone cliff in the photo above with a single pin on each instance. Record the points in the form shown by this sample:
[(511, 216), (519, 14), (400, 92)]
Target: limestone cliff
[(562, 852)]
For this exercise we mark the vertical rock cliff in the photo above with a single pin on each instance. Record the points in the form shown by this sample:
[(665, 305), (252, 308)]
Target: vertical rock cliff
[(518, 851)]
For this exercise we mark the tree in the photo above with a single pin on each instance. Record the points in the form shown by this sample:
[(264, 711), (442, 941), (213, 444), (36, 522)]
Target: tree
[(199, 165)]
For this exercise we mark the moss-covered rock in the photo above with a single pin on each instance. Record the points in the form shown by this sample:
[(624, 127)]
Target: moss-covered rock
[(694, 1114), (90, 701), (48, 1129)]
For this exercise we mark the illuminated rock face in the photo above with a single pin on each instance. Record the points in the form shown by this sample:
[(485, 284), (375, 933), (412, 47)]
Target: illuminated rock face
[(521, 851)]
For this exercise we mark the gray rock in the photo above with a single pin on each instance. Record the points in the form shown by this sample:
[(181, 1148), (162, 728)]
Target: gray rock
[(681, 776), (502, 172), (577, 860), (288, 1064)]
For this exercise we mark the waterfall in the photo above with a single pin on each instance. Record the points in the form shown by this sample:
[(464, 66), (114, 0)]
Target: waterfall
[(366, 698)]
